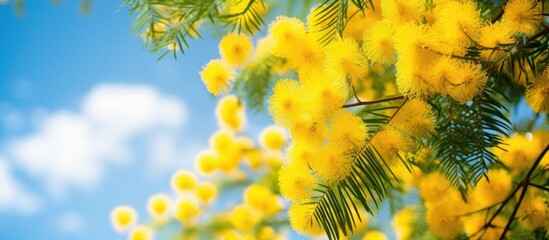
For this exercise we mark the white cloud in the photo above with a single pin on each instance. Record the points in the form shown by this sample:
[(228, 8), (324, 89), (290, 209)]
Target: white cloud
[(71, 222), (13, 197), (71, 149)]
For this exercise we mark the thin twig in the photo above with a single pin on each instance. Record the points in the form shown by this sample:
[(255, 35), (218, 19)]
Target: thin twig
[(524, 184), (397, 97)]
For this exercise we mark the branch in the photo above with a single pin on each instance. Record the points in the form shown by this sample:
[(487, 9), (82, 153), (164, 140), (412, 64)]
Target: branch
[(524, 184), (360, 103)]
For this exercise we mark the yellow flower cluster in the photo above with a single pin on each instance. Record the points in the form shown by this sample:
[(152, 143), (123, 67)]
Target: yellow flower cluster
[(190, 203)]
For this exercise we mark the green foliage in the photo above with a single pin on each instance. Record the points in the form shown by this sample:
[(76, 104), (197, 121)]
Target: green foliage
[(255, 81), (466, 135)]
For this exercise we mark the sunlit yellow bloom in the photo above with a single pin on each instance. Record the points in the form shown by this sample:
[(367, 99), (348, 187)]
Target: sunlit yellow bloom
[(402, 11), (206, 162), (476, 222), (537, 93), (443, 221), (302, 219), (347, 130), (460, 30), (286, 103), (230, 113), (243, 218), (391, 143), (246, 15), (433, 187), (332, 164), (186, 209), (273, 137), (123, 217), (158, 207), (374, 235), (206, 191), (141, 233), (379, 44), (183, 180), (345, 59), (522, 15), (310, 130), (326, 92), (415, 118), (218, 77), (441, 74), (286, 32), (468, 83), (534, 212), (307, 56), (300, 152), (295, 181), (491, 36), (236, 49), (517, 157), (261, 199), (403, 222), (495, 189)]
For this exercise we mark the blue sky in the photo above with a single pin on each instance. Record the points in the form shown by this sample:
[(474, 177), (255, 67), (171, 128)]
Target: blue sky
[(60, 71)]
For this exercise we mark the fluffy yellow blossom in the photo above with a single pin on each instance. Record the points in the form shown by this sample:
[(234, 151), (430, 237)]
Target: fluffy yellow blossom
[(346, 60), (537, 93), (295, 181), (307, 56), (123, 217), (302, 219), (300, 152), (273, 137), (158, 207), (332, 164), (415, 118), (468, 83), (403, 222), (185, 210), (434, 186), (261, 199), (402, 11), (206, 162), (494, 190), (218, 77), (141, 233), (310, 130), (326, 93), (522, 15), (230, 113), (443, 222), (459, 29), (441, 74), (286, 32), (286, 103), (347, 130), (476, 222), (183, 180), (390, 143), (243, 218), (491, 36), (374, 235), (517, 157), (236, 49), (534, 212), (206, 191), (378, 42)]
